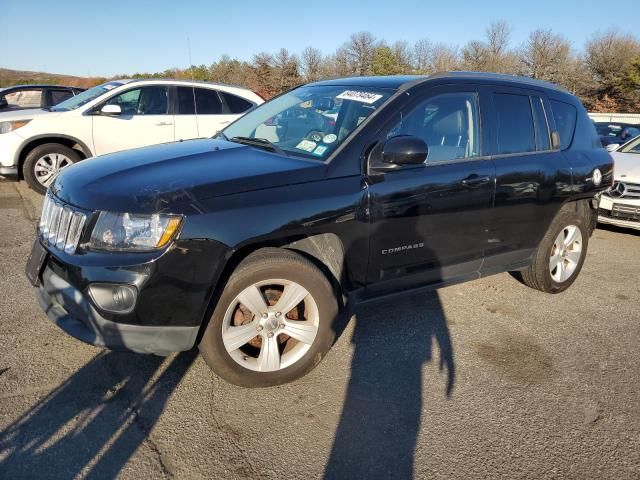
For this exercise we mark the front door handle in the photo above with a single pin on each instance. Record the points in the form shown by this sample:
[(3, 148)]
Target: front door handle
[(163, 124), (475, 180)]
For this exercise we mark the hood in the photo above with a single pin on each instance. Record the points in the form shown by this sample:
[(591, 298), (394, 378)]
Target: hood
[(11, 115), (627, 167), (174, 177)]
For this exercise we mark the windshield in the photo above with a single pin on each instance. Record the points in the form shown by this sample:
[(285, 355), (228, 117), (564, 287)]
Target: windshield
[(310, 121), (631, 147), (85, 97)]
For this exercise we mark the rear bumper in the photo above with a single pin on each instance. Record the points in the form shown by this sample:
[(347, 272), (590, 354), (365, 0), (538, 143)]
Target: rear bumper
[(73, 312)]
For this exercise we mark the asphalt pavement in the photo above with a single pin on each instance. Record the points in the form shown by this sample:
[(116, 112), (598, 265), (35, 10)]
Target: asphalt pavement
[(487, 379)]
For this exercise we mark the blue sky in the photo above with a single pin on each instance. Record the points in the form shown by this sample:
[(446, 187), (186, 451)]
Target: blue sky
[(112, 36)]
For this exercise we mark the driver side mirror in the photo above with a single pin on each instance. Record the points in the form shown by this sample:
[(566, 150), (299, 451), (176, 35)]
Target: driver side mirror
[(111, 110), (3, 102), (405, 150)]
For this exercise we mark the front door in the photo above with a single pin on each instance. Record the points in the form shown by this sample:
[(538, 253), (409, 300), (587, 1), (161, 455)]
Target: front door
[(144, 120), (429, 221)]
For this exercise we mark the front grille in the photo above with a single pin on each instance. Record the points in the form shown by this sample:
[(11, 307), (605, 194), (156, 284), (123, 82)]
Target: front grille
[(60, 225), (624, 190)]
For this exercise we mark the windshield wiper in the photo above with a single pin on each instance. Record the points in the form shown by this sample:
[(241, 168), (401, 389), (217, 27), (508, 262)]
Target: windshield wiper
[(260, 143)]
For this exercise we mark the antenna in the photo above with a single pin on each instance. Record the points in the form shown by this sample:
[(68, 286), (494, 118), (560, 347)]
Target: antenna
[(193, 88)]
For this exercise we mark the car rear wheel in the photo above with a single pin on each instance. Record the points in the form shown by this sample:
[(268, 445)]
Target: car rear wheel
[(560, 255), (273, 322), (45, 162)]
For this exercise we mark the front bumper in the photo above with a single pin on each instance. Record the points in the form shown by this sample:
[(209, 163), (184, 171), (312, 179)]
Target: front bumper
[(10, 143), (621, 212), (73, 312)]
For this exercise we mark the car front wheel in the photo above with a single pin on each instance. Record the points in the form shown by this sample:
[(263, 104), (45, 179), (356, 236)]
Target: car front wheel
[(45, 162), (273, 322)]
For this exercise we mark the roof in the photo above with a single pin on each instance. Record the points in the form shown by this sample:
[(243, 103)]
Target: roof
[(405, 81), (187, 82), (37, 85)]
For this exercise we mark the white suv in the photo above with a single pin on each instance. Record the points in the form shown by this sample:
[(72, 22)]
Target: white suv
[(114, 116), (621, 204)]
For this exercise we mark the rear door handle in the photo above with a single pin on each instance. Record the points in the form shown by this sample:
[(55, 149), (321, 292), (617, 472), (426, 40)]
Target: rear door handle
[(163, 124), (475, 180)]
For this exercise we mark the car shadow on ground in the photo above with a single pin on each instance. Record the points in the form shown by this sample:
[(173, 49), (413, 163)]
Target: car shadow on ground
[(92, 423), (380, 421)]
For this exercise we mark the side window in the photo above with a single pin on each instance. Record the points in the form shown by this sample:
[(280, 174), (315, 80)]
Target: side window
[(58, 96), (208, 102), (565, 118), (235, 103), (142, 101), (540, 120), (185, 101), (515, 131), (24, 99), (447, 123)]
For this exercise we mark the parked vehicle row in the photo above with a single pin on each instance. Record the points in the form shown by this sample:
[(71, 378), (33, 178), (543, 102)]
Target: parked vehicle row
[(115, 116), (349, 190)]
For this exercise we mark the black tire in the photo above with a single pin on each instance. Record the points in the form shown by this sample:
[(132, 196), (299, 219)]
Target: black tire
[(28, 168), (271, 263), (538, 275)]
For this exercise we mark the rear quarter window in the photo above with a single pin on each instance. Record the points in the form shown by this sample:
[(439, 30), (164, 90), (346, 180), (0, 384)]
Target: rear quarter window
[(564, 115), (236, 104)]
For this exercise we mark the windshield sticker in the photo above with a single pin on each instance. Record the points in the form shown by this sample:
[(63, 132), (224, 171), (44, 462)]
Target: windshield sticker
[(306, 145), (364, 97), (330, 138), (320, 150), (316, 137)]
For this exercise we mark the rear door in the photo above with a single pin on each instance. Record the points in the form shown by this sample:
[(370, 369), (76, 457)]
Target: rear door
[(211, 114), (532, 176), (144, 120), (429, 221)]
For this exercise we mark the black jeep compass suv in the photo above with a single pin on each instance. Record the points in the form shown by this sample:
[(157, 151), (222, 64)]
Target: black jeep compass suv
[(250, 244)]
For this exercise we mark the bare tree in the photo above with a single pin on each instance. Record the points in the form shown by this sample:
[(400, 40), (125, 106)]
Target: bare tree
[(546, 56), (609, 57), (311, 62), (287, 69), (492, 55), (422, 51), (360, 49), (444, 58), (403, 56)]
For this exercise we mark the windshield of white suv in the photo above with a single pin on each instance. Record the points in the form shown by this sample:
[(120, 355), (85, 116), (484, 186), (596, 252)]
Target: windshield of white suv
[(85, 97), (310, 121), (631, 147)]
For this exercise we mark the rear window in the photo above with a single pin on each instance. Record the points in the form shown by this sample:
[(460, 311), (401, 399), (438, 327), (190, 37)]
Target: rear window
[(565, 118), (208, 102), (185, 101), (515, 130), (235, 103)]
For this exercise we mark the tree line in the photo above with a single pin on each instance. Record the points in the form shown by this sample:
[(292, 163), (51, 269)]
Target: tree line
[(605, 74)]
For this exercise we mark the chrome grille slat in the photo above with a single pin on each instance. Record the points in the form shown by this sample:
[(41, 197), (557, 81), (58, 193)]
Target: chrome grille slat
[(624, 190), (61, 225)]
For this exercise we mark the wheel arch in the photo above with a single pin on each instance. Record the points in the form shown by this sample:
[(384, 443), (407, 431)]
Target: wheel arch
[(325, 250), (67, 140)]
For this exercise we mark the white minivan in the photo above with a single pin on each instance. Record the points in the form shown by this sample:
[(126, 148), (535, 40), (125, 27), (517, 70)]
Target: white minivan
[(114, 116)]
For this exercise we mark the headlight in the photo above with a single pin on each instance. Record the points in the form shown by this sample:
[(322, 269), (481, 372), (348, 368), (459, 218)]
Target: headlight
[(132, 232), (6, 127)]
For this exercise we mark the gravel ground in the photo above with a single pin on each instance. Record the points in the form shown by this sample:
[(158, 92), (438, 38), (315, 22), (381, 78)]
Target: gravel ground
[(487, 379)]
